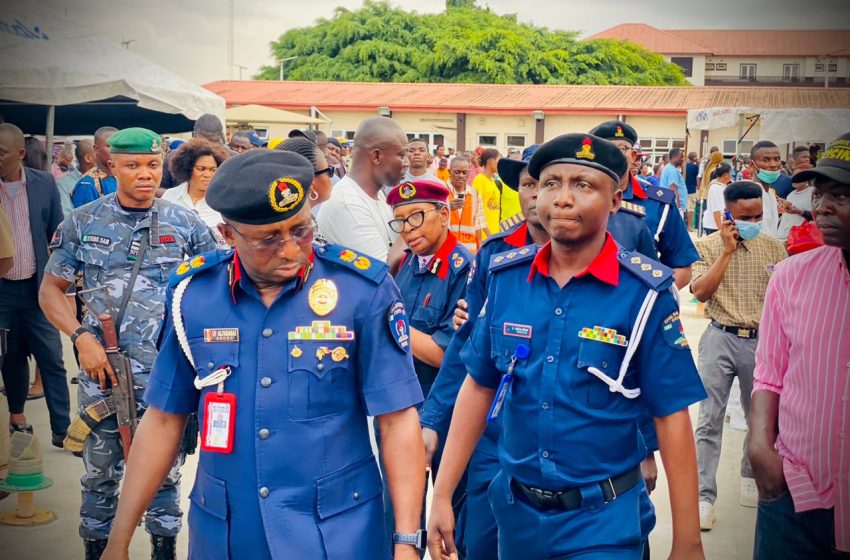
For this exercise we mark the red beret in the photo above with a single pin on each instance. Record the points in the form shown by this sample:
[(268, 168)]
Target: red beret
[(421, 190)]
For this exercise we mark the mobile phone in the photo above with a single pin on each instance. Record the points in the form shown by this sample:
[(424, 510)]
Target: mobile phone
[(727, 216)]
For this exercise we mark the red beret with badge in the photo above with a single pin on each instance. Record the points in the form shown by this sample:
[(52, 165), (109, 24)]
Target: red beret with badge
[(420, 190)]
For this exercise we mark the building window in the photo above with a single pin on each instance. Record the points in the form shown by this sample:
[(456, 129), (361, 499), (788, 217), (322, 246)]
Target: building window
[(745, 147), (833, 68), (748, 72), (516, 140), (709, 66), (791, 72), (487, 140), (432, 139), (654, 148), (819, 67), (262, 133), (339, 133), (686, 63), (720, 66)]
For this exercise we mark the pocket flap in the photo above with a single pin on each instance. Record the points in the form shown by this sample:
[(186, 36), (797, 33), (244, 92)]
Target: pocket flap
[(209, 356), (210, 494), (319, 357), (348, 488), (602, 356)]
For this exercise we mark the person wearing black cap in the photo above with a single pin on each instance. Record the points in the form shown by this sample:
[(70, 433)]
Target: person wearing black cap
[(798, 445), (283, 348), (675, 248), (569, 337)]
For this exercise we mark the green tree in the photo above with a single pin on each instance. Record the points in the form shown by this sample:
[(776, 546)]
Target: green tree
[(464, 44)]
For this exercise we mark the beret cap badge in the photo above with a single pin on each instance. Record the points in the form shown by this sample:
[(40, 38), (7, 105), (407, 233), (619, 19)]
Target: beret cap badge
[(586, 151), (407, 191), (285, 194)]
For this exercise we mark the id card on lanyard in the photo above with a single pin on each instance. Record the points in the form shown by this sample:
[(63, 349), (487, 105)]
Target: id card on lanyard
[(521, 352), (219, 413)]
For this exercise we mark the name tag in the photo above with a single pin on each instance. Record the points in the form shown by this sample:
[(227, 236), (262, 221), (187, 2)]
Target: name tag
[(96, 239), (219, 421), (513, 329), (221, 335), (166, 239)]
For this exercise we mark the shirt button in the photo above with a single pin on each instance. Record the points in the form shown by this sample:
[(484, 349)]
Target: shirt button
[(210, 365), (264, 433), (558, 311), (264, 492), (266, 381), (203, 501), (320, 367), (267, 332), (550, 358), (544, 406), (545, 454), (604, 363), (357, 495)]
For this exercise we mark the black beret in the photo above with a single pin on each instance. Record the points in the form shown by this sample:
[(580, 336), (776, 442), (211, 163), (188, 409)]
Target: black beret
[(616, 130), (580, 149), (511, 169), (261, 186)]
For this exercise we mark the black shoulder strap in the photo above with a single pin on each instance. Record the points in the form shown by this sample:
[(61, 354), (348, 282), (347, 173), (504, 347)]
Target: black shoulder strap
[(128, 291)]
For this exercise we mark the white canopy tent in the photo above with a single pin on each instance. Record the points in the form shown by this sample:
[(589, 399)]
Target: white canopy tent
[(260, 114), (782, 126), (57, 77)]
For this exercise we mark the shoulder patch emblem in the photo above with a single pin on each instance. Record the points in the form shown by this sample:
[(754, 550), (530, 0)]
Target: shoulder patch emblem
[(673, 332), (398, 325)]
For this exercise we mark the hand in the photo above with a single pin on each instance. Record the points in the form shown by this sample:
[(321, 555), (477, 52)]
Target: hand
[(115, 552), (432, 440), (768, 472), (405, 552), (650, 472), (93, 360), (457, 203), (461, 316), (729, 235), (441, 530)]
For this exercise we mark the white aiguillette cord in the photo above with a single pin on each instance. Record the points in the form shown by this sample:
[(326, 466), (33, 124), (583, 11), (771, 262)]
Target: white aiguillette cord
[(215, 378), (637, 334)]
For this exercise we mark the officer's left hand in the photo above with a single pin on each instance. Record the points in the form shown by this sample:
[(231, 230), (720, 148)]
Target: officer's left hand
[(461, 315), (650, 472), (432, 440), (441, 530)]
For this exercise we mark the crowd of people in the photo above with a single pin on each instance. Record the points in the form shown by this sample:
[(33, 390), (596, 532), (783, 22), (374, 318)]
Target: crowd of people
[(510, 323)]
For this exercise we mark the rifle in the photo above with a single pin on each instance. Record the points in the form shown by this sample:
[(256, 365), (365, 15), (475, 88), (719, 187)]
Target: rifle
[(123, 394)]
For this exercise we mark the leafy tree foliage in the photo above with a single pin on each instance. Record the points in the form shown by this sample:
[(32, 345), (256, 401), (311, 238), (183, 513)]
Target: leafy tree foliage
[(465, 44)]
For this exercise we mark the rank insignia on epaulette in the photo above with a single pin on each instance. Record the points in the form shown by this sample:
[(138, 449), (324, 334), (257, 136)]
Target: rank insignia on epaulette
[(635, 260), (524, 251), (347, 255), (362, 263), (659, 192), (183, 268), (197, 262), (512, 254), (657, 274), (645, 267), (499, 259), (602, 334)]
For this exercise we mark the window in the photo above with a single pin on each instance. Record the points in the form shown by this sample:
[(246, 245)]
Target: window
[(720, 66), (709, 66), (790, 72), (832, 68), (654, 148), (744, 147), (262, 133), (487, 140), (819, 67), (339, 133), (432, 139), (686, 63), (748, 72), (516, 140)]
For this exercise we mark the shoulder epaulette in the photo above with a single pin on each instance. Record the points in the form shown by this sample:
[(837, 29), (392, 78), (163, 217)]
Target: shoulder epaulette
[(365, 266), (199, 263), (651, 272), (632, 208), (667, 196), (460, 258), (514, 220), (510, 258)]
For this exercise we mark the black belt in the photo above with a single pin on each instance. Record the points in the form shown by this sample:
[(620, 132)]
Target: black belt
[(568, 500), (737, 331), (18, 281)]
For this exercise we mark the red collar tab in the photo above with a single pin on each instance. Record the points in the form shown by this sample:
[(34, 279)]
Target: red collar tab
[(637, 188), (604, 267), (234, 272), (518, 237), (305, 271), (439, 263)]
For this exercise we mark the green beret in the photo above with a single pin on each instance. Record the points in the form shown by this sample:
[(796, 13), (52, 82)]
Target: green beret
[(260, 187), (135, 141)]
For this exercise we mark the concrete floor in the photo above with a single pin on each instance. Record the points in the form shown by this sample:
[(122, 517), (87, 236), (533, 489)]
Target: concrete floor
[(732, 537)]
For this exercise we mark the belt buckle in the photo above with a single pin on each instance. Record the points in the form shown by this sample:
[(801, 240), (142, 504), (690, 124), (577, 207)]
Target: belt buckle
[(744, 333)]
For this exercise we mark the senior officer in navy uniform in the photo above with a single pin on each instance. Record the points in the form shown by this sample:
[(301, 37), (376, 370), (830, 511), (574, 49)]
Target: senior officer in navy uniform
[(675, 248), (283, 347), (559, 353)]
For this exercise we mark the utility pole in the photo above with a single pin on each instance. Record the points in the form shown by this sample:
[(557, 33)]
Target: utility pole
[(281, 61), (230, 39), (240, 69), (126, 42)]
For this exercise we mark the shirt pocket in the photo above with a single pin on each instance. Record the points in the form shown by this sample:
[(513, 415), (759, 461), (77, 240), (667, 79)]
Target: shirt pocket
[(321, 380), (211, 356), (164, 258), (425, 318), (95, 260), (605, 358)]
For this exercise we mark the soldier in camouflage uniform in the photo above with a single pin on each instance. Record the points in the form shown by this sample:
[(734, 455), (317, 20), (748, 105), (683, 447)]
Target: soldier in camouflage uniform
[(103, 242)]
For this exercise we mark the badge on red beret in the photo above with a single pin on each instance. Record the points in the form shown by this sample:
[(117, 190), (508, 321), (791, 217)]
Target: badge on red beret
[(407, 191)]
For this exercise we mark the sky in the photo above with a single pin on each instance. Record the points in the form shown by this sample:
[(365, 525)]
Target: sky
[(189, 37)]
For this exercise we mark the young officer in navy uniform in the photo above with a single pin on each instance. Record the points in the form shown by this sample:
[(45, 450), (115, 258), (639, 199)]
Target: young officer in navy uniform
[(284, 348), (558, 352), (675, 248)]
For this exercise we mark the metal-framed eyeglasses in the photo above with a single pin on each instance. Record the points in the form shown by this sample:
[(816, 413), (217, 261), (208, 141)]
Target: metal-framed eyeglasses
[(302, 236)]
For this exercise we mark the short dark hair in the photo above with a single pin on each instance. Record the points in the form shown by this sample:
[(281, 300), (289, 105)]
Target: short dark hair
[(83, 147), (800, 150), (742, 190), (98, 134), (301, 146), (720, 171), (418, 140), (487, 155), (764, 144), (675, 152), (185, 156), (459, 159)]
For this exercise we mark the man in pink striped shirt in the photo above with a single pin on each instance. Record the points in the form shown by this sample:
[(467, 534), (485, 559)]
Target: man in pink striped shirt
[(799, 441)]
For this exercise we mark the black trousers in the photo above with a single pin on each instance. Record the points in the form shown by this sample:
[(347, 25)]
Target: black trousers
[(31, 333)]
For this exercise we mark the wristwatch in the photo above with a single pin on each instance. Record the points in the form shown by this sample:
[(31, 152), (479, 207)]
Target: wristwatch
[(77, 334), (417, 539)]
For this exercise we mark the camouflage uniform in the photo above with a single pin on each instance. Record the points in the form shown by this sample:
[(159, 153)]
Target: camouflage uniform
[(99, 241)]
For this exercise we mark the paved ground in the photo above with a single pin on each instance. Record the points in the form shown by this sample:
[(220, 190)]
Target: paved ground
[(731, 538)]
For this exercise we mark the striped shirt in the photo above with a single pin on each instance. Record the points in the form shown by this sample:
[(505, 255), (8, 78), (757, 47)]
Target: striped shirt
[(14, 200), (803, 355)]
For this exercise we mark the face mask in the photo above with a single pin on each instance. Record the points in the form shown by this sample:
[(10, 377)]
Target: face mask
[(768, 177), (748, 230)]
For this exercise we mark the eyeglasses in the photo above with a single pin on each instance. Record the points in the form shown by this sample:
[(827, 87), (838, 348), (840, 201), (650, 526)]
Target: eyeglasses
[(414, 220), (273, 245), (328, 170)]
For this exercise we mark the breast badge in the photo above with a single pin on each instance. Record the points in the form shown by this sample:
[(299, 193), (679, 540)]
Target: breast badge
[(323, 297)]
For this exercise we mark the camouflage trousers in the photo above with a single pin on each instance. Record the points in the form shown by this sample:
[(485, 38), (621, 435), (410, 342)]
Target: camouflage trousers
[(104, 463)]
